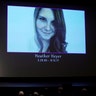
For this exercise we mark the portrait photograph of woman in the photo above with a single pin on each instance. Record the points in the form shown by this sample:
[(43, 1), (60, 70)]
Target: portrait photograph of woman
[(45, 30)]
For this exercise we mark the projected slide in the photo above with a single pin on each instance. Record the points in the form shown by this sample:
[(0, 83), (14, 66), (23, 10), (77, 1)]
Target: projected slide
[(38, 29)]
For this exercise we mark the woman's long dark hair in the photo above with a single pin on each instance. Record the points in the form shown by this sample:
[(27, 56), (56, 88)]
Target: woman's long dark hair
[(57, 42)]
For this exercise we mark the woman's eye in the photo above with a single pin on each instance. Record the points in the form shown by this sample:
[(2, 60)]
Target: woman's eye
[(53, 23), (42, 18)]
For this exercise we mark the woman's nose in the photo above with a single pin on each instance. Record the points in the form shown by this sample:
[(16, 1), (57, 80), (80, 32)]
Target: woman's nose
[(48, 26)]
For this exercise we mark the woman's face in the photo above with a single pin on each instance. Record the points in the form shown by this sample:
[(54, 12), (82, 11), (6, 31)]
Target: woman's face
[(45, 24)]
